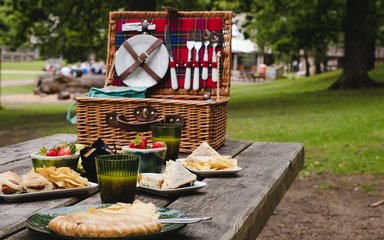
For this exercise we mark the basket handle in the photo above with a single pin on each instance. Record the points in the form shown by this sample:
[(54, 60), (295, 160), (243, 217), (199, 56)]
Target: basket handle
[(145, 117)]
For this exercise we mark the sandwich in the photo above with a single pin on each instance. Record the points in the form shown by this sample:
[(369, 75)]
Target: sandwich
[(34, 182), (176, 175), (151, 180), (206, 158), (204, 150), (10, 183)]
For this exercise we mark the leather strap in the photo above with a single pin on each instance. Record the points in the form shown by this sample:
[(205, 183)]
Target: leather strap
[(140, 60)]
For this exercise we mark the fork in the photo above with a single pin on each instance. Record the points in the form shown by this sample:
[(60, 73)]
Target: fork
[(190, 45), (214, 42), (206, 37), (198, 44)]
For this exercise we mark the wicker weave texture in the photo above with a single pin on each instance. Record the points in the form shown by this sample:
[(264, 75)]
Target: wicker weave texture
[(204, 121), (226, 51)]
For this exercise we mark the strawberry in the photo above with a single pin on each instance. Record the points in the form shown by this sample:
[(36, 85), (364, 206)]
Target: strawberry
[(139, 142), (143, 142), (52, 152), (66, 149), (158, 145), (61, 152)]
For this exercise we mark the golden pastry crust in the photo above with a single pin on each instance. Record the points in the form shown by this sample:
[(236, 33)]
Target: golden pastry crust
[(99, 224)]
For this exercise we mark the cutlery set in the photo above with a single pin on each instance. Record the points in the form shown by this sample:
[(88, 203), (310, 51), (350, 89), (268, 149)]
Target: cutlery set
[(196, 40)]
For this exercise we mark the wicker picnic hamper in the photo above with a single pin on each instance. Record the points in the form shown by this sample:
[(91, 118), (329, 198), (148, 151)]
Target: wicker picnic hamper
[(204, 120)]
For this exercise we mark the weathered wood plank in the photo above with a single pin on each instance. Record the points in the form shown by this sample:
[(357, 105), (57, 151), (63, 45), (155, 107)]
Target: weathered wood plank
[(241, 206), (23, 150), (13, 215), (24, 210)]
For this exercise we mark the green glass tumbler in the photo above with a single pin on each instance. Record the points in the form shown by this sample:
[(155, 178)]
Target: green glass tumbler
[(117, 177), (171, 135)]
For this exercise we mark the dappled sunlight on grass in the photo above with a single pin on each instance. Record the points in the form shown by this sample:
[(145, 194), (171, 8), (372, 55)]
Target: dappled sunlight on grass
[(34, 121), (343, 130)]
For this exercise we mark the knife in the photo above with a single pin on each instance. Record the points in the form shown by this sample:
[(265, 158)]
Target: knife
[(183, 220), (168, 44)]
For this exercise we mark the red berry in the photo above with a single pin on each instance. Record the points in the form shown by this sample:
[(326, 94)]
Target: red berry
[(143, 142), (139, 142), (132, 144), (52, 152), (61, 152), (158, 145)]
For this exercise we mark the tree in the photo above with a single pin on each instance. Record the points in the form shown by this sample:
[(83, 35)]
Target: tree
[(357, 33), (289, 26), (69, 28)]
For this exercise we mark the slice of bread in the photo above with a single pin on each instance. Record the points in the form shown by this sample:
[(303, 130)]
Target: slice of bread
[(176, 175), (152, 180), (204, 150)]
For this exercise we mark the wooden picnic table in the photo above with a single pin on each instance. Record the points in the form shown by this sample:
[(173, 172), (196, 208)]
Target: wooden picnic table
[(239, 206)]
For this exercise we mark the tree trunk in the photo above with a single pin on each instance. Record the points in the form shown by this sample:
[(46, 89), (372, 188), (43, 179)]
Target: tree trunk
[(318, 57), (355, 70), (372, 19), (307, 64), (52, 84)]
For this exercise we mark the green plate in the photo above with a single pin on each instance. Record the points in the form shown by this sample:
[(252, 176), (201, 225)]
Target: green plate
[(38, 223)]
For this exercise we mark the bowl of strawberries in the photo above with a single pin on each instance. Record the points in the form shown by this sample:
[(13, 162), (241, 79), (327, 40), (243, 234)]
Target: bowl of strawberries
[(151, 155), (63, 155)]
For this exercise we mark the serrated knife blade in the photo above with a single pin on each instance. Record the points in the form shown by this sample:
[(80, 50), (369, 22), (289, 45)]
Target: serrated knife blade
[(168, 42), (172, 65)]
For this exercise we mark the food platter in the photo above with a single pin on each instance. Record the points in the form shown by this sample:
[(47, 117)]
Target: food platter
[(38, 223), (212, 173), (171, 192), (48, 194)]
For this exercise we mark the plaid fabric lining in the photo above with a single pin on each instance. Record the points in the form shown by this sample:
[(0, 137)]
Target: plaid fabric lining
[(178, 28)]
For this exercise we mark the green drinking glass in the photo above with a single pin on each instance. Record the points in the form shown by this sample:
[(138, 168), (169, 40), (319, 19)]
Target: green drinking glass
[(171, 135), (117, 177)]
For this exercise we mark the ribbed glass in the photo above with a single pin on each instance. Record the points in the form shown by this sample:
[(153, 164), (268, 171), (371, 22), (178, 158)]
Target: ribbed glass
[(117, 177), (170, 134)]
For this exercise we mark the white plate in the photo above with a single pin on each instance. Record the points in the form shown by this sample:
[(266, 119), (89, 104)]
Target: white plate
[(46, 194), (170, 192), (158, 61), (211, 173)]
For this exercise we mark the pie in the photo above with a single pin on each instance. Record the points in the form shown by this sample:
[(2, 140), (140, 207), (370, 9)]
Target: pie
[(119, 220)]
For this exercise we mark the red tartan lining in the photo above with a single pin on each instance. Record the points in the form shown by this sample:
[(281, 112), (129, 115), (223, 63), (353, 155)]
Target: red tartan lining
[(180, 27)]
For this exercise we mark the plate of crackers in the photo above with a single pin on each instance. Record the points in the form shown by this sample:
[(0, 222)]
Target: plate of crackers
[(45, 182), (205, 161), (120, 221)]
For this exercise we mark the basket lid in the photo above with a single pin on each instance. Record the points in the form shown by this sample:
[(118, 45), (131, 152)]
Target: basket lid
[(179, 24)]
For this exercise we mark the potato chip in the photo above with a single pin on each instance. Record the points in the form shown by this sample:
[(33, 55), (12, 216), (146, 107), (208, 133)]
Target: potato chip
[(210, 163), (63, 177)]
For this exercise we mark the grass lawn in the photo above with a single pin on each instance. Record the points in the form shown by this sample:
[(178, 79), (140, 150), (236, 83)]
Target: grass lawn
[(342, 130), (24, 66), (17, 76), (21, 122), (22, 89)]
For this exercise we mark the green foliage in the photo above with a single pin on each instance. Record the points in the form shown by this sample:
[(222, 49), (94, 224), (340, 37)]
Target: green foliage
[(288, 26), (71, 29), (74, 29), (342, 131)]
